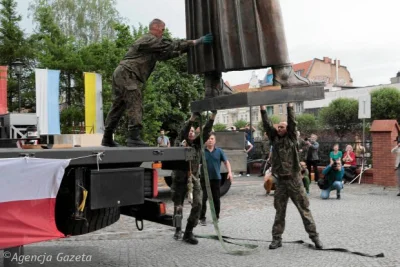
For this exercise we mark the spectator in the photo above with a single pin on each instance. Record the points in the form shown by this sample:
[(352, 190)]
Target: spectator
[(214, 156), (265, 155), (247, 149), (350, 164), (249, 132), (396, 150), (301, 143), (312, 156), (305, 177), (333, 176), (269, 181), (335, 154), (162, 140)]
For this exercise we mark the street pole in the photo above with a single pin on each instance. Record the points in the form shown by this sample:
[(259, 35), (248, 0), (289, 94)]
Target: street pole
[(251, 126), (19, 94), (364, 133)]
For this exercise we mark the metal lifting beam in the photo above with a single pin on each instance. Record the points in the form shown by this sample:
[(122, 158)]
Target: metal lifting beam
[(272, 97)]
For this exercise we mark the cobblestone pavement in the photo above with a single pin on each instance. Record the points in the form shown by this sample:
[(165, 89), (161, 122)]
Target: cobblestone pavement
[(366, 219)]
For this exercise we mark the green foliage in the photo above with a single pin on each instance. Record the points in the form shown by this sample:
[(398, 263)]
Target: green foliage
[(385, 104), (275, 120), (306, 123), (89, 21), (219, 127), (240, 124), (13, 45), (341, 115), (71, 118)]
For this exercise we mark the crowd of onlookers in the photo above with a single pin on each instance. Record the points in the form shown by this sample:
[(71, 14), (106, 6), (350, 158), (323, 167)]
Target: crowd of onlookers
[(341, 169)]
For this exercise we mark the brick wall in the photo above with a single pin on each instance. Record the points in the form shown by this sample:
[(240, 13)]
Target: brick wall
[(383, 133)]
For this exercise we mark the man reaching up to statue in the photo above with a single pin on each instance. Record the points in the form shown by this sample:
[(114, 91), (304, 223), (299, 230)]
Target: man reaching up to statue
[(130, 76)]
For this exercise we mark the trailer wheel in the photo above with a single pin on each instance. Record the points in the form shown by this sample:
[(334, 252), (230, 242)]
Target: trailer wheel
[(91, 220), (225, 184)]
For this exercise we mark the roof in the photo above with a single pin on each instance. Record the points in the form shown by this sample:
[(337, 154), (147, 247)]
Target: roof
[(305, 66), (241, 87), (384, 125)]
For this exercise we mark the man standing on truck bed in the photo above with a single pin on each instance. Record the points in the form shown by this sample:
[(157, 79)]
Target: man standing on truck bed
[(180, 180), (286, 166), (130, 76)]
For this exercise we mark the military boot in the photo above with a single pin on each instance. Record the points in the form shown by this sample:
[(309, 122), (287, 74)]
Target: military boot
[(188, 236), (285, 77), (108, 139), (276, 243), (317, 242), (134, 139), (215, 86), (178, 233)]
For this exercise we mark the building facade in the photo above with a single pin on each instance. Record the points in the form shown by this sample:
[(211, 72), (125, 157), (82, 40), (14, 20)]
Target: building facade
[(326, 70)]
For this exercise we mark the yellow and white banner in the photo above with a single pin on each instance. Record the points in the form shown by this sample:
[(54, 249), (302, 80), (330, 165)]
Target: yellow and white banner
[(94, 122)]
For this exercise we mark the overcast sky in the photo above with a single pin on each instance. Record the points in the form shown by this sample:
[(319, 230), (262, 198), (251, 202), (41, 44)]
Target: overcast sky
[(363, 35)]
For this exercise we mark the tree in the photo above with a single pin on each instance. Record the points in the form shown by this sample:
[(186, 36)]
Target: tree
[(306, 123), (341, 115), (274, 118), (219, 127), (240, 124), (89, 21), (385, 104), (12, 46)]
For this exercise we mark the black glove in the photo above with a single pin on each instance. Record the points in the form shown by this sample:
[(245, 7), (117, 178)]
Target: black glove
[(214, 111)]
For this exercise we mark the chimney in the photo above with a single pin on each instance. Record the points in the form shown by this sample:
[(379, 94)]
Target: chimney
[(395, 79), (327, 60)]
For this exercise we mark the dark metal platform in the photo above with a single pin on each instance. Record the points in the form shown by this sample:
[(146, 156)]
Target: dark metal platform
[(112, 155), (259, 98)]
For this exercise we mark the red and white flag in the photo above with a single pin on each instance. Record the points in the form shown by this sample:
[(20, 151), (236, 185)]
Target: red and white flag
[(28, 190)]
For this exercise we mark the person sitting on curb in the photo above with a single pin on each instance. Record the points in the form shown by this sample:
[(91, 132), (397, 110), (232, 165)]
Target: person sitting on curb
[(333, 176)]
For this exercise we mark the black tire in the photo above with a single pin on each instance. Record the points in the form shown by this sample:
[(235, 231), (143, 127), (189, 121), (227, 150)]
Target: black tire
[(65, 207), (168, 180), (225, 184)]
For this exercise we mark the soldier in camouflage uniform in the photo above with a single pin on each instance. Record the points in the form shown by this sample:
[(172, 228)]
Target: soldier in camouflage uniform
[(286, 166), (180, 181), (130, 76)]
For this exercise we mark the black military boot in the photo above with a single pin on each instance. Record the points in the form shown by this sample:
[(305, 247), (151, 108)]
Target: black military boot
[(215, 86), (276, 243), (317, 242), (134, 139), (285, 77), (108, 139), (188, 236)]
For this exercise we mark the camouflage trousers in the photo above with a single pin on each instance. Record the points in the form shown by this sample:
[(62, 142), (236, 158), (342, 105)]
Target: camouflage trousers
[(293, 189), (179, 189), (126, 95)]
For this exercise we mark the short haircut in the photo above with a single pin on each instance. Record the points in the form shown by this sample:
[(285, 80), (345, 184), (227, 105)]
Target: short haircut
[(156, 22)]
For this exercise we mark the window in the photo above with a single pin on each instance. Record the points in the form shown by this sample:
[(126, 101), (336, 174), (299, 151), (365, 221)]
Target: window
[(280, 109), (299, 107), (299, 72), (270, 110)]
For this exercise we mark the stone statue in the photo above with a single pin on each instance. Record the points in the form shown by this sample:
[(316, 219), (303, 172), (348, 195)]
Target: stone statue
[(248, 34)]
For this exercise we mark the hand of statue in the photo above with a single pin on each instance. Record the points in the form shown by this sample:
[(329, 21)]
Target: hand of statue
[(262, 107), (290, 105)]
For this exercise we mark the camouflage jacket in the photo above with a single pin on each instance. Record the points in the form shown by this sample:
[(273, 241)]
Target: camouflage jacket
[(196, 142), (143, 55), (285, 158)]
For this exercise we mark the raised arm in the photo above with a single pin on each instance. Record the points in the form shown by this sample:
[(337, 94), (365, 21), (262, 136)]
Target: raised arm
[(207, 129), (267, 124), (292, 124)]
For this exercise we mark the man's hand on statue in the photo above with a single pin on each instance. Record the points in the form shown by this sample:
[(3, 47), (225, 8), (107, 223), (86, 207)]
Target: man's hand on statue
[(262, 107), (206, 39), (290, 105), (214, 111)]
